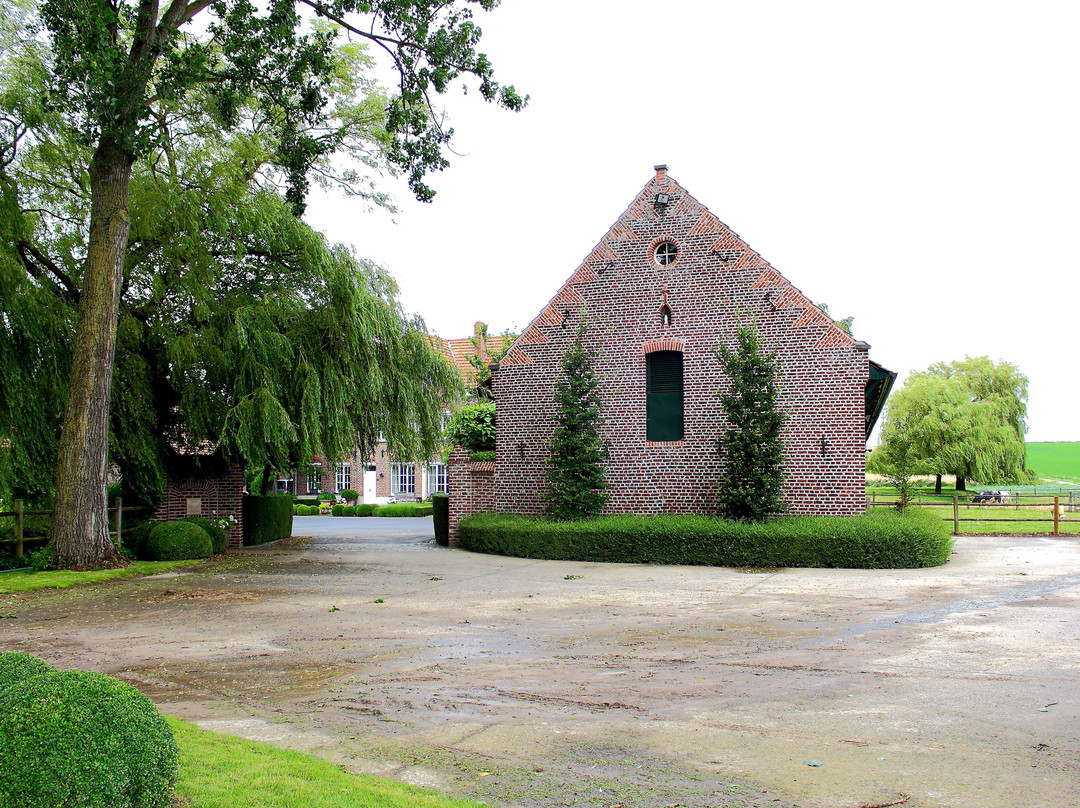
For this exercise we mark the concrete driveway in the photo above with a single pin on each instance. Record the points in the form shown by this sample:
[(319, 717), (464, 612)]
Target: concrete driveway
[(542, 683), (327, 531)]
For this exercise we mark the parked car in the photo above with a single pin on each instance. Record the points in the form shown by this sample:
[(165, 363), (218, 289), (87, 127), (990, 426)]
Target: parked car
[(991, 496)]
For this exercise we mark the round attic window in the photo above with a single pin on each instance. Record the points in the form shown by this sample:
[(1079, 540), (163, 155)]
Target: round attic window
[(666, 252)]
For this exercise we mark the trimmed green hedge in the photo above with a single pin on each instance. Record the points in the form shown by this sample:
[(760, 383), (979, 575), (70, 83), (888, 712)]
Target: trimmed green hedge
[(337, 510), (348, 510), (216, 534), (135, 539), (404, 509), (440, 504), (267, 518), (15, 666), (365, 510), (879, 540), (82, 739), (178, 541)]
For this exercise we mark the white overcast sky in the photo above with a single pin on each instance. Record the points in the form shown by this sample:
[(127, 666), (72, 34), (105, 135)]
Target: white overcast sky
[(913, 164)]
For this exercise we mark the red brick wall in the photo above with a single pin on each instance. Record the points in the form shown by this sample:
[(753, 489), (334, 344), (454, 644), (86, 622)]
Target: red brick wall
[(220, 496), (472, 488), (619, 290)]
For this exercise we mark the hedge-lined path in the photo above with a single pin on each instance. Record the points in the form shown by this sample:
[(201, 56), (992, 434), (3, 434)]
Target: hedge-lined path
[(546, 683)]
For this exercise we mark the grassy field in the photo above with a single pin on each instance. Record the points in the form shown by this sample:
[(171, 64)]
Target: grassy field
[(219, 771), (1056, 461)]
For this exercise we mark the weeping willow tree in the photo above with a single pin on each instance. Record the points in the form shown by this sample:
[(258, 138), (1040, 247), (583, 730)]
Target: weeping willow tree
[(966, 418), (235, 323)]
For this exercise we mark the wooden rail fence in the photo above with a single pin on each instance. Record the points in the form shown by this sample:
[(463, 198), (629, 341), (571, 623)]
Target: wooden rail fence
[(20, 515), (1055, 506)]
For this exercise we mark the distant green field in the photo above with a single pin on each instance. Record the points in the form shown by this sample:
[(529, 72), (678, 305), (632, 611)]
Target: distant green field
[(1057, 461)]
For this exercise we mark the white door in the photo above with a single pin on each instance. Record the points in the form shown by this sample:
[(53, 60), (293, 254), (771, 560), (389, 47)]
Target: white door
[(369, 484)]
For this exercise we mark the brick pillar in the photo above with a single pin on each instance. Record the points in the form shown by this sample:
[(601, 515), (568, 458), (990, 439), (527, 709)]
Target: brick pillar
[(459, 484)]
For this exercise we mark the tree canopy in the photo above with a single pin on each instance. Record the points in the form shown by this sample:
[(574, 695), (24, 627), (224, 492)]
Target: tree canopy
[(150, 194), (967, 418), (238, 326)]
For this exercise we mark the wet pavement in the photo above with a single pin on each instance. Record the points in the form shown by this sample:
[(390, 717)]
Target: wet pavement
[(542, 683)]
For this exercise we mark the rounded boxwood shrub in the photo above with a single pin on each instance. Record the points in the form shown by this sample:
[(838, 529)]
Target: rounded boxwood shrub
[(348, 510), (338, 510), (304, 510), (135, 539), (82, 739), (364, 510), (16, 666), (177, 541), (216, 534)]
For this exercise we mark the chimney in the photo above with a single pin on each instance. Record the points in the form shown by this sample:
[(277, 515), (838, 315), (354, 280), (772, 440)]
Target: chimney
[(478, 333), (661, 172)]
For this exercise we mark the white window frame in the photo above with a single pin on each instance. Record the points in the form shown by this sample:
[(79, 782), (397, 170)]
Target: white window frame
[(403, 478), (343, 476), (438, 478), (314, 479)]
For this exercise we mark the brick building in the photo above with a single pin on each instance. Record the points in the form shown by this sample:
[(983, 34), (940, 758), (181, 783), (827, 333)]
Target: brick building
[(667, 284), (210, 488), (379, 476)]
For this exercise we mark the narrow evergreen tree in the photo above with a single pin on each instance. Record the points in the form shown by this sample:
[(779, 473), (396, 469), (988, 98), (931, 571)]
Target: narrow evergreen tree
[(575, 484), (753, 475)]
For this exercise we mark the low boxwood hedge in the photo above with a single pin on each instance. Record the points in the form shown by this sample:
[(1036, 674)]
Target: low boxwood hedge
[(82, 739), (404, 509), (365, 510), (337, 510), (135, 539), (178, 541), (348, 510), (216, 534), (874, 541), (15, 666)]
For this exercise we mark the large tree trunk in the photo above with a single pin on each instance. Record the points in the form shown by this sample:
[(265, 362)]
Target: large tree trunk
[(937, 484), (961, 483), (80, 528)]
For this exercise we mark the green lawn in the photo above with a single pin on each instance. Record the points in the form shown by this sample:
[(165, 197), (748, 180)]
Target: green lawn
[(1056, 461), (62, 579), (219, 771)]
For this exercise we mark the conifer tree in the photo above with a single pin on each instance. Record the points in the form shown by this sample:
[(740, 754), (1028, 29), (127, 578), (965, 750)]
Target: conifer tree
[(753, 473), (575, 484)]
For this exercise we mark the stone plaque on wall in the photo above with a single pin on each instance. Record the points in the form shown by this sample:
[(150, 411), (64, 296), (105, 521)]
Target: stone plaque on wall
[(194, 506)]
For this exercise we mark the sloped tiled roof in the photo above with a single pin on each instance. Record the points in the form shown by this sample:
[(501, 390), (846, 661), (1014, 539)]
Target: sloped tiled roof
[(459, 351)]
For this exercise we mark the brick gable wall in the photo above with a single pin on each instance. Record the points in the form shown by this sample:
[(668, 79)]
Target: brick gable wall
[(716, 280), (221, 495)]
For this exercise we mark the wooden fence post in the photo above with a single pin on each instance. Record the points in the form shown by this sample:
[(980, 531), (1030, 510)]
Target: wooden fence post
[(956, 515), (1056, 515), (18, 529), (119, 517)]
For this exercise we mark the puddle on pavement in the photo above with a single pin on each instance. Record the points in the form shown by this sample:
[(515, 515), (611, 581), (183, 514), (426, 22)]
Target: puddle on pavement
[(269, 678)]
